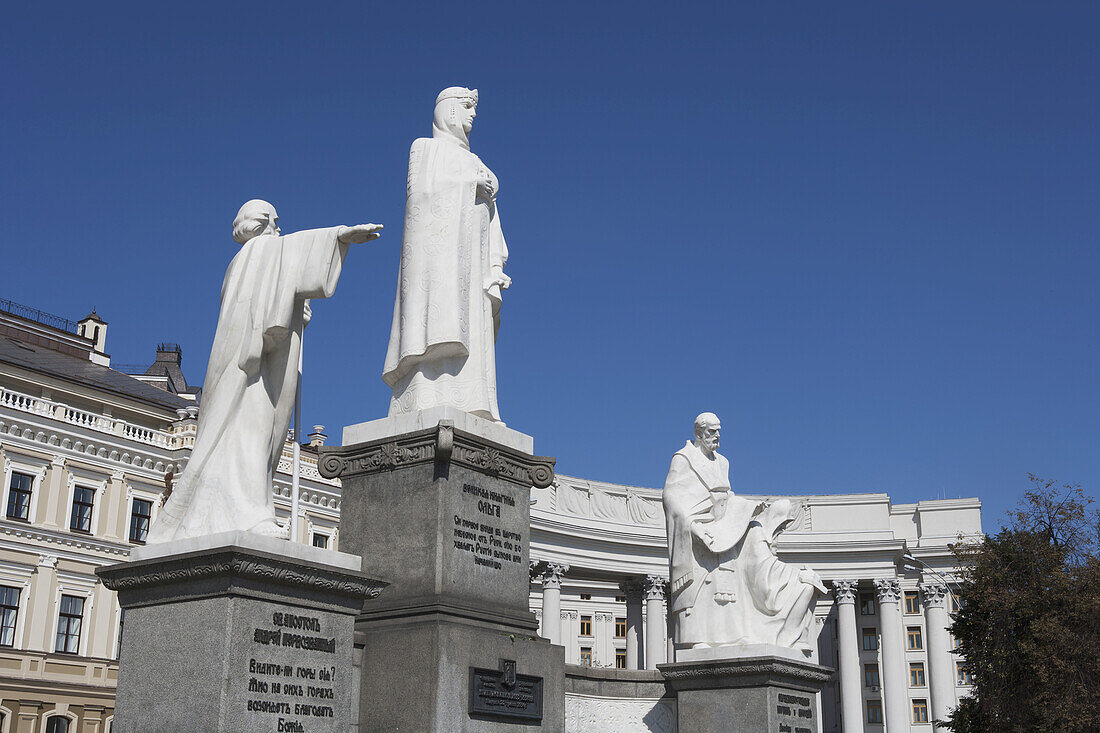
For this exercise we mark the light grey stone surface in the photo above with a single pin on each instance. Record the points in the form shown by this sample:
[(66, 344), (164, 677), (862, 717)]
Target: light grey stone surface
[(388, 427), (444, 515), (740, 652), (249, 541), (747, 694), (232, 638)]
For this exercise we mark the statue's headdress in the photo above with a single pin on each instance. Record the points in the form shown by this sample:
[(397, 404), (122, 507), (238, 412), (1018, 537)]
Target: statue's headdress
[(457, 93)]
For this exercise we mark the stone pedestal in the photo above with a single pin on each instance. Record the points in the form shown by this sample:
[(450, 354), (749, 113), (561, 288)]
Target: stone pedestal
[(773, 693), (443, 514), (237, 632)]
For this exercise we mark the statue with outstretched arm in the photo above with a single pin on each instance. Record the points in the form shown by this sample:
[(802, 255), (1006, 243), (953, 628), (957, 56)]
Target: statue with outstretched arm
[(248, 393)]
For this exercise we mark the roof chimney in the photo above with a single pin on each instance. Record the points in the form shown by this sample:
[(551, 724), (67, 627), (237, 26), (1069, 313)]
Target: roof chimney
[(170, 353), (317, 437), (94, 328)]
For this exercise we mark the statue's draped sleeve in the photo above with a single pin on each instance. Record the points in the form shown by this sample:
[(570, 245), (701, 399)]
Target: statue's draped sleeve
[(270, 279)]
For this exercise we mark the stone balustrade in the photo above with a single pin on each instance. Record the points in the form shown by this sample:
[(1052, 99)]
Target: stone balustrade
[(99, 423)]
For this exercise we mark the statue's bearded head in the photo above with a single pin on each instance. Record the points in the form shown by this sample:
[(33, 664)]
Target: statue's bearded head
[(708, 430), (256, 217)]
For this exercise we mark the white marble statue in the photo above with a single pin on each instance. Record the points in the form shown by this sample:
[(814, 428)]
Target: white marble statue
[(445, 320), (248, 393), (728, 587)]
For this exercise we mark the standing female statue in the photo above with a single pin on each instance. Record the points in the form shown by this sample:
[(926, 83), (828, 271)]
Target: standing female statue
[(447, 313)]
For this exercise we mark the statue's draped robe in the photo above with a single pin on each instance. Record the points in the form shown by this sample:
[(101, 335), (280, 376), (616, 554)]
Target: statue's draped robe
[(447, 314), (728, 587), (248, 393)]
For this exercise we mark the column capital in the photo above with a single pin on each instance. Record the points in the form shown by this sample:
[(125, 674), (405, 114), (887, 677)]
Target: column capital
[(846, 591), (654, 588), (888, 590), (933, 593), (553, 573), (632, 588)]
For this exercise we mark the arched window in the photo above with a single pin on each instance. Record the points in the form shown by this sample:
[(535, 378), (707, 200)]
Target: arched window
[(57, 724)]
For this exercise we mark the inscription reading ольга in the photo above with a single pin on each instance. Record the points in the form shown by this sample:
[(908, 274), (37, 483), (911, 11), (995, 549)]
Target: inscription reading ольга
[(479, 531)]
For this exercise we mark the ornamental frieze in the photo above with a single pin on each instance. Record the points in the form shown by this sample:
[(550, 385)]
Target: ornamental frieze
[(243, 566), (442, 445)]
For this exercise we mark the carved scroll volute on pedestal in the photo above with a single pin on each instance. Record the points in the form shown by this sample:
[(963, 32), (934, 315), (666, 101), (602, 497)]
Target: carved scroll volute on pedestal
[(443, 445)]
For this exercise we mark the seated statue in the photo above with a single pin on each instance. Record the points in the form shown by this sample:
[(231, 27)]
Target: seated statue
[(728, 586)]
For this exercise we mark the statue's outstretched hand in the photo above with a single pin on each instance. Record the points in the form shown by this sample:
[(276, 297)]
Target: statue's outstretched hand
[(359, 233)]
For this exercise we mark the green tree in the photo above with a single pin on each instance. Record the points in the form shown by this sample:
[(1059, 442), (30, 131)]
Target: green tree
[(1029, 626)]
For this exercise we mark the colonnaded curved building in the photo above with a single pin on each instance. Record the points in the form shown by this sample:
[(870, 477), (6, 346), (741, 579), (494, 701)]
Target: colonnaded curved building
[(88, 450)]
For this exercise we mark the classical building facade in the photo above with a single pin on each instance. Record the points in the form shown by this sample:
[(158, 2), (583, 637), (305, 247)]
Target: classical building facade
[(600, 573), (88, 452)]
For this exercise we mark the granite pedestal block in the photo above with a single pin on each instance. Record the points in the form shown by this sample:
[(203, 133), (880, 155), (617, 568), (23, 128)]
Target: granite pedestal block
[(444, 515), (237, 632), (757, 694)]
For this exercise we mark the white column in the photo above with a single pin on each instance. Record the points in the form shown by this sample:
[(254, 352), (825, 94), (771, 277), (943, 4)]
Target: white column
[(632, 589), (941, 675), (851, 695), (894, 687), (655, 621), (551, 601)]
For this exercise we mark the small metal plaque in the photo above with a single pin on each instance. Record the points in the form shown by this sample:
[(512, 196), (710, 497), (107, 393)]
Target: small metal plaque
[(501, 693)]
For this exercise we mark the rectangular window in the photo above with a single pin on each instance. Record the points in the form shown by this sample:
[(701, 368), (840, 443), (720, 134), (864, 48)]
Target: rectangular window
[(956, 604), (68, 625), (962, 674), (81, 518), (9, 613), (912, 602), (586, 656), (920, 711), (586, 626), (870, 675), (140, 515), (320, 540), (620, 599), (866, 604), (913, 638), (19, 496), (916, 674), (620, 660), (874, 711), (586, 596), (870, 640), (620, 628)]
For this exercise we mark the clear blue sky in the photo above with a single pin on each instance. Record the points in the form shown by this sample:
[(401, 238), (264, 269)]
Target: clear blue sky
[(865, 234)]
